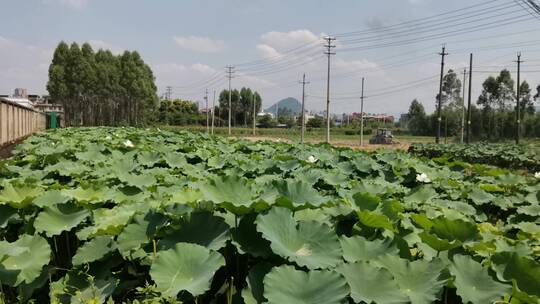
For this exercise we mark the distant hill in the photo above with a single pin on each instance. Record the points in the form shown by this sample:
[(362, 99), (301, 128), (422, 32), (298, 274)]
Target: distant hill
[(291, 103)]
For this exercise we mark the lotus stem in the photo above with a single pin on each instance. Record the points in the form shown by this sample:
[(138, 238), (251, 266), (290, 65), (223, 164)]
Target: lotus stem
[(155, 247)]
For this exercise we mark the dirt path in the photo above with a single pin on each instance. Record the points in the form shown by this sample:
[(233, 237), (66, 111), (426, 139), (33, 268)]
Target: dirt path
[(5, 151), (337, 143)]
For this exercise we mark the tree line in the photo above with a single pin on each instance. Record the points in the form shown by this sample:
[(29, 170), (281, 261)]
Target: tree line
[(100, 88), (493, 117)]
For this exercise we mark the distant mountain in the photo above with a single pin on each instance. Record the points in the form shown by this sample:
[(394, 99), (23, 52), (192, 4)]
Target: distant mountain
[(290, 103)]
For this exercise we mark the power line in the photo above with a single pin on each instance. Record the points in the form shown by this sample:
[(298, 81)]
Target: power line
[(401, 24), (442, 25)]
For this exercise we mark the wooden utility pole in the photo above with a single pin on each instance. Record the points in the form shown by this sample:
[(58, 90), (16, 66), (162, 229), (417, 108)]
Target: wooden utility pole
[(439, 106), (303, 112), (362, 115), (469, 102), (518, 106), (329, 46)]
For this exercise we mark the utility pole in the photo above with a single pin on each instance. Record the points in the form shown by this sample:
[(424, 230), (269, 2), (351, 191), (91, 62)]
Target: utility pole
[(439, 119), (518, 107), (206, 107), (329, 46), (254, 112), (469, 102), (302, 134), (230, 72), (362, 115), (463, 106), (168, 93), (213, 111)]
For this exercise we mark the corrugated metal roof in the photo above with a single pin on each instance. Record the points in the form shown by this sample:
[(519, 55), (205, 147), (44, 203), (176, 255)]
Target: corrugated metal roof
[(23, 102)]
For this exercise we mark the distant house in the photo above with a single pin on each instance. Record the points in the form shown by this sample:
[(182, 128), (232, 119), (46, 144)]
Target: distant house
[(262, 114)]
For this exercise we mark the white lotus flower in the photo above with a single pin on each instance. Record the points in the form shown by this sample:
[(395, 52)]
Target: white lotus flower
[(311, 159), (423, 178), (537, 175), (128, 144), (108, 137)]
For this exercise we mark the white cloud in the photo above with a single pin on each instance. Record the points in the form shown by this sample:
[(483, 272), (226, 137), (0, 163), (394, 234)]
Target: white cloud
[(23, 65), (77, 4), (100, 44), (287, 40), (199, 44), (268, 52)]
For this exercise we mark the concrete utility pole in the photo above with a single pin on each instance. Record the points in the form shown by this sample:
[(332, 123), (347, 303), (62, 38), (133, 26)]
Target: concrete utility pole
[(302, 134), (206, 109), (254, 100), (213, 111), (439, 119), (329, 46), (469, 102), (168, 93), (518, 106), (362, 115), (230, 72), (463, 106)]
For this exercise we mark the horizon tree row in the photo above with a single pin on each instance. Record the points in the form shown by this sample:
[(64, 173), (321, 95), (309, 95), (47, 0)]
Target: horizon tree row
[(492, 118), (100, 88)]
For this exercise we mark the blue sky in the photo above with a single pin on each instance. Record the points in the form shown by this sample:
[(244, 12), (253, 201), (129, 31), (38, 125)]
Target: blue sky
[(188, 44)]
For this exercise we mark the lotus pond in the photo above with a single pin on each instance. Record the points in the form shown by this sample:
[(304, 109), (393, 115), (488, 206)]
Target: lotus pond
[(104, 215)]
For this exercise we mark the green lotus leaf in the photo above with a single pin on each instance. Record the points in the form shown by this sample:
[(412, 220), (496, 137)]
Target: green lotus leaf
[(188, 267), (255, 281), (454, 229), (297, 194), (375, 220), (369, 284), (86, 195), (93, 250), (202, 228), (366, 201), (357, 248), (480, 197), (149, 158), (26, 258), (229, 190), (58, 218), (175, 160), (185, 196), (285, 284), (529, 210), (421, 195), (50, 198), (525, 271), (140, 232), (18, 196), (310, 244), (111, 221), (473, 282), (141, 181), (248, 239), (438, 244), (6, 214), (420, 280)]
